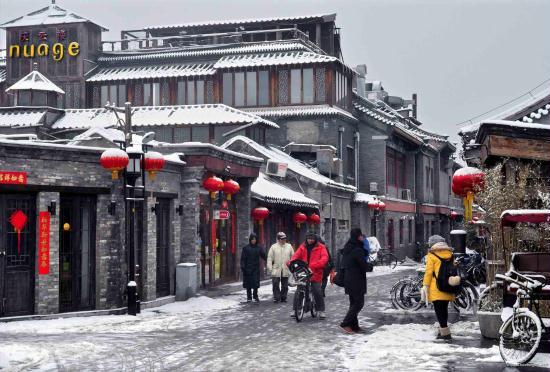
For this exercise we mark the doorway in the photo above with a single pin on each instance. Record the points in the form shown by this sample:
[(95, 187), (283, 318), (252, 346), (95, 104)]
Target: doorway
[(17, 254), (77, 253), (162, 210)]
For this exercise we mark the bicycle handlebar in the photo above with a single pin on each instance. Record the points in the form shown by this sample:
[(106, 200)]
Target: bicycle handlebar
[(522, 280)]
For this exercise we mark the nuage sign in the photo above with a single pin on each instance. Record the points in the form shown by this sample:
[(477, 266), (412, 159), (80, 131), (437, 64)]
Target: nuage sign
[(57, 50)]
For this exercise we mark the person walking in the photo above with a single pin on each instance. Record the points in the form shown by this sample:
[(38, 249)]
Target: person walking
[(315, 255), (355, 279), (278, 255), (250, 267), (430, 293)]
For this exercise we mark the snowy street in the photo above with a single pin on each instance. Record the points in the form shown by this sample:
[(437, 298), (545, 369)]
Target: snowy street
[(224, 334)]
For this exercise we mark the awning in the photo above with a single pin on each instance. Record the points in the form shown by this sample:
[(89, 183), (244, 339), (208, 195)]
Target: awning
[(272, 59), (152, 72), (512, 217), (270, 191)]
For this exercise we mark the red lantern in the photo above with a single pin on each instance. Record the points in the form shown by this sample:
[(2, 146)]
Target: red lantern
[(466, 181), (373, 204), (314, 219), (153, 162), (382, 206), (453, 215), (230, 188), (260, 214), (114, 160), (213, 184), (299, 218), (18, 220)]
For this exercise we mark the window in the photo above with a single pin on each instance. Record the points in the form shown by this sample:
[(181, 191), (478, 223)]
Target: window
[(24, 98), (147, 100), (251, 98), (410, 231), (263, 88), (151, 94), (113, 94), (104, 95), (239, 89), (182, 134), (320, 84), (164, 134), (401, 230), (200, 92), (156, 94), (343, 225), (390, 168), (190, 92), (283, 87), (181, 93), (351, 161), (228, 88), (121, 94), (295, 86), (308, 85)]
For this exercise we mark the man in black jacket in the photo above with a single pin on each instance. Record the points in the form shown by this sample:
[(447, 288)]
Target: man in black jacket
[(250, 267), (355, 279)]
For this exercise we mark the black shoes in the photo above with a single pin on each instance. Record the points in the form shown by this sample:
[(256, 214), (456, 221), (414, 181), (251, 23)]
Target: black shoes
[(257, 299), (283, 299)]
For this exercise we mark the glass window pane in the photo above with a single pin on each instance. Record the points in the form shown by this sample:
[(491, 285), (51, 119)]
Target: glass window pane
[(190, 92), (200, 133), (156, 94), (239, 89), (147, 94), (112, 94), (121, 94), (200, 91), (181, 93), (308, 85), (295, 86), (104, 95), (228, 88), (39, 98), (182, 134), (251, 99), (209, 91), (24, 98), (263, 91)]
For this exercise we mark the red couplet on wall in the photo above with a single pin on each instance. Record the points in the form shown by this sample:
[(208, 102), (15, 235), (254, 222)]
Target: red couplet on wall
[(13, 178), (44, 243)]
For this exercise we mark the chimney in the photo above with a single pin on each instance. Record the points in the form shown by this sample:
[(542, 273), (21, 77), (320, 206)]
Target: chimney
[(414, 105), (362, 73)]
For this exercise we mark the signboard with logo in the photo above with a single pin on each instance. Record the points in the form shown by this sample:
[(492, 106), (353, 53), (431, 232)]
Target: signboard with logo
[(221, 214), (44, 243), (27, 49), (13, 178)]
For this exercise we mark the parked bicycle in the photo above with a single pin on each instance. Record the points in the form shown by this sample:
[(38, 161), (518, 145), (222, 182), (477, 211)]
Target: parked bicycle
[(521, 334), (384, 257), (303, 298), (473, 266)]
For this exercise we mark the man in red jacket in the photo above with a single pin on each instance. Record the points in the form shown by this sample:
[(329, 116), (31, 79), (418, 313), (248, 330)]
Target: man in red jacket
[(315, 255)]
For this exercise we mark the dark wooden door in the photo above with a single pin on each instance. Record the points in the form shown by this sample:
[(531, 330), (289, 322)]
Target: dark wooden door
[(390, 241), (17, 255), (163, 247), (77, 253)]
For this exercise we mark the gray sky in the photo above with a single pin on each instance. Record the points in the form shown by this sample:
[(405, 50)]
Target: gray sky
[(462, 57)]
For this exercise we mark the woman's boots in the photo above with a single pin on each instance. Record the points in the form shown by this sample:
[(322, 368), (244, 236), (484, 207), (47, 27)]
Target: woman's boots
[(444, 334)]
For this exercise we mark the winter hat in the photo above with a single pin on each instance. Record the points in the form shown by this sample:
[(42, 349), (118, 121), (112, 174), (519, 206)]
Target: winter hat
[(355, 233), (311, 235), (434, 239), (281, 235)]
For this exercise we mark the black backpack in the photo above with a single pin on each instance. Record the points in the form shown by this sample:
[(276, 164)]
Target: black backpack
[(339, 278), (448, 274)]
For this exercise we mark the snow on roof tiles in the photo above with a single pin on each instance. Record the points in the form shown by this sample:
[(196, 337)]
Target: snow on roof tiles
[(295, 165), (20, 118), (35, 81), (203, 51), (270, 191), (151, 72), (514, 124), (243, 21), (537, 114), (308, 110), (272, 59), (161, 115), (361, 197), (50, 15)]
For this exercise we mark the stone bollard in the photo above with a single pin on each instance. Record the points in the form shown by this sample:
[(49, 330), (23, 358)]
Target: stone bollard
[(186, 281)]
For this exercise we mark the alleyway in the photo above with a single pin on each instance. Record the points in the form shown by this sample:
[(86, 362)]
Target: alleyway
[(224, 334)]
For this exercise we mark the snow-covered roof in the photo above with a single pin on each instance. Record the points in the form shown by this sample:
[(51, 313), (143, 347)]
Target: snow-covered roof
[(161, 115), (517, 126), (202, 51), (34, 80), (292, 19), (521, 212), (296, 166), (536, 114), (361, 197), (191, 145), (50, 15), (151, 72), (21, 118), (270, 191), (294, 111), (272, 59)]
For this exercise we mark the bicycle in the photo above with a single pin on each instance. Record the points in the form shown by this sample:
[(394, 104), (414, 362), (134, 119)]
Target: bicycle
[(383, 257), (521, 334), (303, 298)]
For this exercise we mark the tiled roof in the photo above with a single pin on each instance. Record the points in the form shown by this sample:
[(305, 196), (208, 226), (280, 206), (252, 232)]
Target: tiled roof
[(151, 72), (49, 15), (245, 21), (361, 197), (272, 59), (34, 80), (270, 191), (536, 114), (203, 51), (299, 111), (21, 118), (161, 115)]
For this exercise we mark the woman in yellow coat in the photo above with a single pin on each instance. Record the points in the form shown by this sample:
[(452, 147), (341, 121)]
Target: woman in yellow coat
[(440, 300)]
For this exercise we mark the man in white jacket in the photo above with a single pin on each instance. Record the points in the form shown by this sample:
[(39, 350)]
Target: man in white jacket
[(278, 255)]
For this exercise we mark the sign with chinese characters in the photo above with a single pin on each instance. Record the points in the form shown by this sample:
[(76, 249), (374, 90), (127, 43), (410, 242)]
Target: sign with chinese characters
[(221, 214), (56, 50), (44, 243), (13, 178)]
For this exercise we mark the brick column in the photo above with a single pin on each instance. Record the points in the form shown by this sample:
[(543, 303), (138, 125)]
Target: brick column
[(189, 250), (47, 286), (244, 222), (150, 252)]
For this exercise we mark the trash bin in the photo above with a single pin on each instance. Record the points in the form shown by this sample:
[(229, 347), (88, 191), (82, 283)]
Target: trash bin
[(458, 241), (186, 281)]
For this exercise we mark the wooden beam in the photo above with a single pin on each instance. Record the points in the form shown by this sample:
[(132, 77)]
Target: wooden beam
[(522, 148)]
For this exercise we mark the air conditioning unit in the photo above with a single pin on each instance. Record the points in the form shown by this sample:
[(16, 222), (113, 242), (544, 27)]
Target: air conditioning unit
[(275, 168), (373, 187), (406, 194)]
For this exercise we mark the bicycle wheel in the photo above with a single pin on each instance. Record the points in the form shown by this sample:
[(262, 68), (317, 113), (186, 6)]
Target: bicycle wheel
[(394, 293), (491, 294), (313, 306), (463, 300), (520, 338), (390, 260), (410, 296), (299, 304)]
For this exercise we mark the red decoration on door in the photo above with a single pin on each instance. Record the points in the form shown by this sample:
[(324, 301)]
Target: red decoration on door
[(18, 220), (44, 243)]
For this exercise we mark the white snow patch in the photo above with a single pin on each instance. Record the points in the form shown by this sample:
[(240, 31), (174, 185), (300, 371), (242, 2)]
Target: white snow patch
[(385, 270)]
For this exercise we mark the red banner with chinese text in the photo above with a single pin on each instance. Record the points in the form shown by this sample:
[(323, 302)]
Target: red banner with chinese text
[(44, 243), (13, 178)]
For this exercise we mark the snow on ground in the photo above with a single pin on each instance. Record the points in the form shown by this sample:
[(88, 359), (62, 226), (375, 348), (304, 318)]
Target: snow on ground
[(386, 270)]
